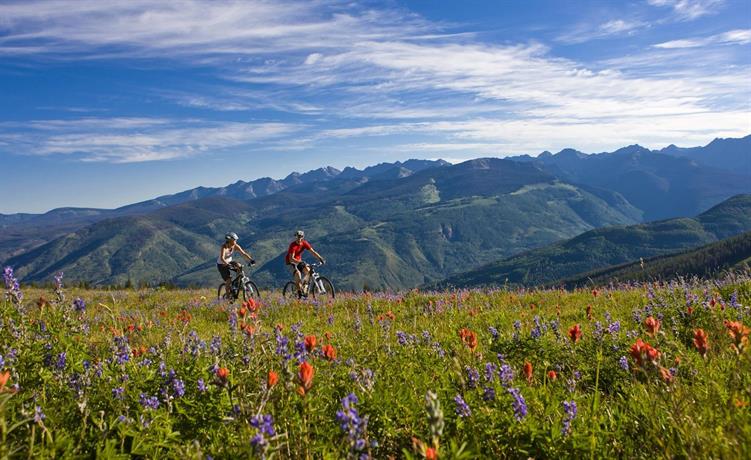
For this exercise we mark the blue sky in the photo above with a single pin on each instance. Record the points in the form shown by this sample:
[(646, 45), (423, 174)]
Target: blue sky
[(108, 103)]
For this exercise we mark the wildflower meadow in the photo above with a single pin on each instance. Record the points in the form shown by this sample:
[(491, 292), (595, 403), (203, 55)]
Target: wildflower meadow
[(631, 371)]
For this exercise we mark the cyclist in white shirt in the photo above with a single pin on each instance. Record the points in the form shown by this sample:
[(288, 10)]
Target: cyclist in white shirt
[(224, 262)]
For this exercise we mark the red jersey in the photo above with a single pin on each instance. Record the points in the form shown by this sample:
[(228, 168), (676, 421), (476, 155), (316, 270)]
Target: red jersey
[(296, 249)]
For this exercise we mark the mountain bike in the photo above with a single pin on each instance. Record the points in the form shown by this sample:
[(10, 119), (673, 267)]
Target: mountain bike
[(318, 286), (242, 285)]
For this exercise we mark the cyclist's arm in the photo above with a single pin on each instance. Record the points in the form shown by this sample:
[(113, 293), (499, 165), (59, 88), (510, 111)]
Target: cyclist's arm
[(242, 251), (318, 256)]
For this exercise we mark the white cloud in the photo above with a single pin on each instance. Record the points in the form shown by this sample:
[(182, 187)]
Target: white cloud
[(733, 37), (379, 73), (132, 140), (690, 9), (613, 28)]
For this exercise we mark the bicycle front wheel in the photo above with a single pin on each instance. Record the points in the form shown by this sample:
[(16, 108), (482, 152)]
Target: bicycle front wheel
[(290, 290), (220, 294), (251, 291), (323, 289)]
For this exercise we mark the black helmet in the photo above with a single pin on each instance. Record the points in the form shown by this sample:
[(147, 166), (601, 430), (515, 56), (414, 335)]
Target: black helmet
[(300, 233), (231, 236)]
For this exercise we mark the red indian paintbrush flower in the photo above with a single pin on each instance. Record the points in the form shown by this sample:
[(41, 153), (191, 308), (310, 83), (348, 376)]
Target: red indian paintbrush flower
[(528, 371), (222, 374), (431, 454), (575, 333), (272, 379), (701, 341), (469, 338), (739, 333), (4, 376), (552, 375), (310, 342), (329, 352), (653, 325), (665, 375), (305, 374), (643, 352)]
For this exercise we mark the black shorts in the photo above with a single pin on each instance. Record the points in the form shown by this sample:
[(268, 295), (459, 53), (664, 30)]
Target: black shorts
[(224, 271)]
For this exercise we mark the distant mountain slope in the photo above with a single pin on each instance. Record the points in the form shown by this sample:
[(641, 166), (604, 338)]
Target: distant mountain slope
[(727, 154), (682, 183), (708, 260), (397, 233), (21, 232), (612, 246)]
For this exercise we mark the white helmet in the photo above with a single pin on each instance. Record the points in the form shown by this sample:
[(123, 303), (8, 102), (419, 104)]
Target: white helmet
[(231, 236), (300, 233)]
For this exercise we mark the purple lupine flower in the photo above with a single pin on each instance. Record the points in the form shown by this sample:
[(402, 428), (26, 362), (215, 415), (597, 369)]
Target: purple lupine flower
[(351, 424), (493, 332), (462, 409), (216, 345), (118, 393), (623, 362), (488, 394), (536, 331), (12, 286), (472, 377), (79, 305), (149, 402), (265, 426), (201, 386), (61, 361), (330, 320), (569, 412), (282, 344), (614, 328), (438, 349), (506, 374), (734, 300), (401, 338), (232, 320), (58, 280), (490, 370), (517, 329), (519, 405), (122, 349), (555, 326), (2, 362), (179, 387), (597, 333), (38, 415)]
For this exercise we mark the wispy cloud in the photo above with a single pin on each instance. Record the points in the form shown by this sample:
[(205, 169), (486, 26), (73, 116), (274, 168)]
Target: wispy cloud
[(733, 37), (613, 28), (132, 140), (353, 72), (690, 9)]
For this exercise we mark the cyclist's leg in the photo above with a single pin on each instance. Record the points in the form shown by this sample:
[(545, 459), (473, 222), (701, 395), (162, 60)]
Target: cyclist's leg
[(298, 276), (227, 277)]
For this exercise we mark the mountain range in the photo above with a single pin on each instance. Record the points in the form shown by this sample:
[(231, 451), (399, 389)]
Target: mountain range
[(389, 226)]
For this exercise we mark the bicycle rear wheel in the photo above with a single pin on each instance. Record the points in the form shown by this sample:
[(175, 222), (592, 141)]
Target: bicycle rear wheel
[(290, 290), (251, 291), (323, 289)]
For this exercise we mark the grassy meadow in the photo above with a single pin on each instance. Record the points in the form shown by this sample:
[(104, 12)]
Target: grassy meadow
[(629, 372)]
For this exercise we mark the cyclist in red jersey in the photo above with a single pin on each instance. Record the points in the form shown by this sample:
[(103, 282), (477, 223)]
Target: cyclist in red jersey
[(297, 267)]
